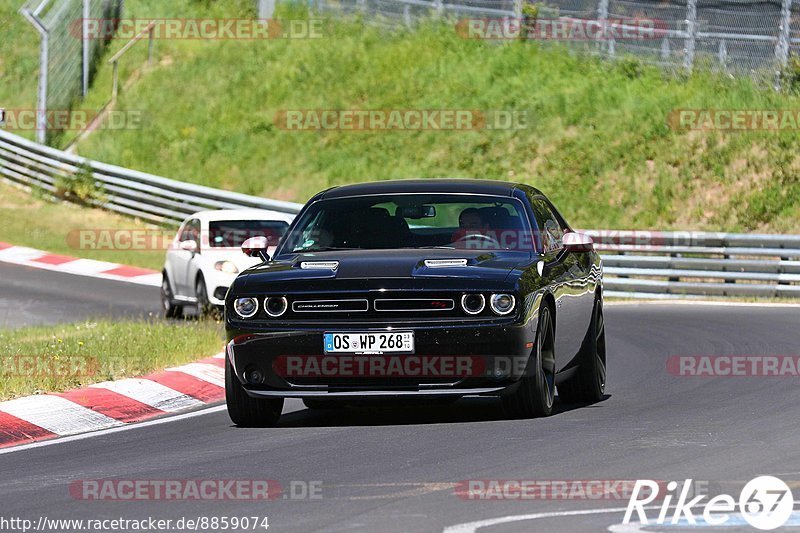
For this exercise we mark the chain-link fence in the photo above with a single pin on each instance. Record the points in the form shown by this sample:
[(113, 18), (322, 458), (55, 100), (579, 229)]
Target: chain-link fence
[(68, 54), (738, 37)]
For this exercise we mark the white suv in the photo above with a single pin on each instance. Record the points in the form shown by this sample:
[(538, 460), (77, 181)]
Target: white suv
[(206, 256)]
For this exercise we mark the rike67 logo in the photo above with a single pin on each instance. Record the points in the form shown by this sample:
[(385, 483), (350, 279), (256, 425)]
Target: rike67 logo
[(765, 503)]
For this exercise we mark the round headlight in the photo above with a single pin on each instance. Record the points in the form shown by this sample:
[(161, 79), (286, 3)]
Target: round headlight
[(275, 306), (502, 304), (226, 266), (246, 307), (473, 304)]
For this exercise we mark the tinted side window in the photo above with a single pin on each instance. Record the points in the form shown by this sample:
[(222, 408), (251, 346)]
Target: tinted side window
[(551, 231)]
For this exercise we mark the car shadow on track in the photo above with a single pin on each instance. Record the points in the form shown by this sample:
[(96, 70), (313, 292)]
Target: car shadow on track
[(462, 411)]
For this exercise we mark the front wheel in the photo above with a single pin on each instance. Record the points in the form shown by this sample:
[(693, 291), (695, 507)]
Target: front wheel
[(535, 392), (204, 307), (589, 382), (245, 411), (170, 310)]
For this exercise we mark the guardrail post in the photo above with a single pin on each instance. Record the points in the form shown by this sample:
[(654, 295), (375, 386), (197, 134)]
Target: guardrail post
[(691, 34)]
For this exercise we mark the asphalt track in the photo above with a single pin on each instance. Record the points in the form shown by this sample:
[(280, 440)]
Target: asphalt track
[(395, 470), (32, 297)]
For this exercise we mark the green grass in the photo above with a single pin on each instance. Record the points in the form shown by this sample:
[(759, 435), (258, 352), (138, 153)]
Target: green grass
[(56, 358), (598, 141), (56, 226), (19, 60)]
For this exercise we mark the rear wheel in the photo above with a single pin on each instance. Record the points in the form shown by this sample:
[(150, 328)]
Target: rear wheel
[(169, 309), (245, 411), (535, 392), (589, 382)]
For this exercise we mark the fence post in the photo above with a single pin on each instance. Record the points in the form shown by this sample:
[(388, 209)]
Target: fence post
[(44, 59), (602, 15), (150, 42), (266, 9), (691, 34), (518, 9), (782, 47), (439, 6), (86, 48)]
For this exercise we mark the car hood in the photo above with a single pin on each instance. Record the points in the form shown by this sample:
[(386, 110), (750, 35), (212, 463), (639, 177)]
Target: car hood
[(382, 264)]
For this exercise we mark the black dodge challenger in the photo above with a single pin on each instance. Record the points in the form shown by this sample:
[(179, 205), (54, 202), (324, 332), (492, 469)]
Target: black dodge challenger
[(431, 289)]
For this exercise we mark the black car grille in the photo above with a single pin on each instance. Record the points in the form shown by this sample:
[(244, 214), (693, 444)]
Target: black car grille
[(373, 306)]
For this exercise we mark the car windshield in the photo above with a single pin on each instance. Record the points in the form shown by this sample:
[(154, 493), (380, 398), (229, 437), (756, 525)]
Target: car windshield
[(412, 221), (232, 233)]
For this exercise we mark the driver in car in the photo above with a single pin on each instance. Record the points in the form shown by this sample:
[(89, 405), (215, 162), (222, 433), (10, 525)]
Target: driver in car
[(471, 228)]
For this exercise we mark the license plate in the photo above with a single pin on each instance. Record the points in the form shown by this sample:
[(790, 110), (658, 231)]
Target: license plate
[(377, 343)]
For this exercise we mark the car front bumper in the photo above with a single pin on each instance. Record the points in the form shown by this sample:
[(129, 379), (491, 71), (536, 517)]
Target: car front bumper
[(449, 360)]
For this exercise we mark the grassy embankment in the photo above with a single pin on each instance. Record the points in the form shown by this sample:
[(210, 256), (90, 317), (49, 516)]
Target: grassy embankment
[(57, 358)]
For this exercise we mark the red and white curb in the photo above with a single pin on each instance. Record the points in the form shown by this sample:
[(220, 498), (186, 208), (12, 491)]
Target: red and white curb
[(112, 403), (31, 257)]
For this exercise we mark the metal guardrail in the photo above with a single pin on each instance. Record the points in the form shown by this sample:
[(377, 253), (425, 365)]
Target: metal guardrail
[(685, 264), (129, 192), (638, 264)]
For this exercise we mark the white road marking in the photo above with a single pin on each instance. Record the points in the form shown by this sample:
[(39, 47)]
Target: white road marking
[(84, 267), (57, 415), (20, 255), (204, 371), (151, 393), (710, 303), (471, 527), (128, 427)]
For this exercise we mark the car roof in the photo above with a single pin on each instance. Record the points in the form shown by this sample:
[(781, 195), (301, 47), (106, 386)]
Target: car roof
[(241, 214), (430, 185)]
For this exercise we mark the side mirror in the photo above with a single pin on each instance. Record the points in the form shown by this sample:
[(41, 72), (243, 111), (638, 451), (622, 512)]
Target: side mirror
[(256, 247), (188, 246), (577, 242)]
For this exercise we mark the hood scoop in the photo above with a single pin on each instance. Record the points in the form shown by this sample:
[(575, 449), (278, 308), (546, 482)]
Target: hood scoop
[(319, 265), (445, 263)]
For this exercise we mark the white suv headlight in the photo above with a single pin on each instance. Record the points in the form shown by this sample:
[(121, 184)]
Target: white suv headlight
[(226, 266)]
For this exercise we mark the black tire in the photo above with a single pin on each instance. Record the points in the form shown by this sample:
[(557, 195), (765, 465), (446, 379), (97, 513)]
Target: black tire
[(534, 394), (312, 403), (204, 307), (245, 411), (589, 382), (169, 309)]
